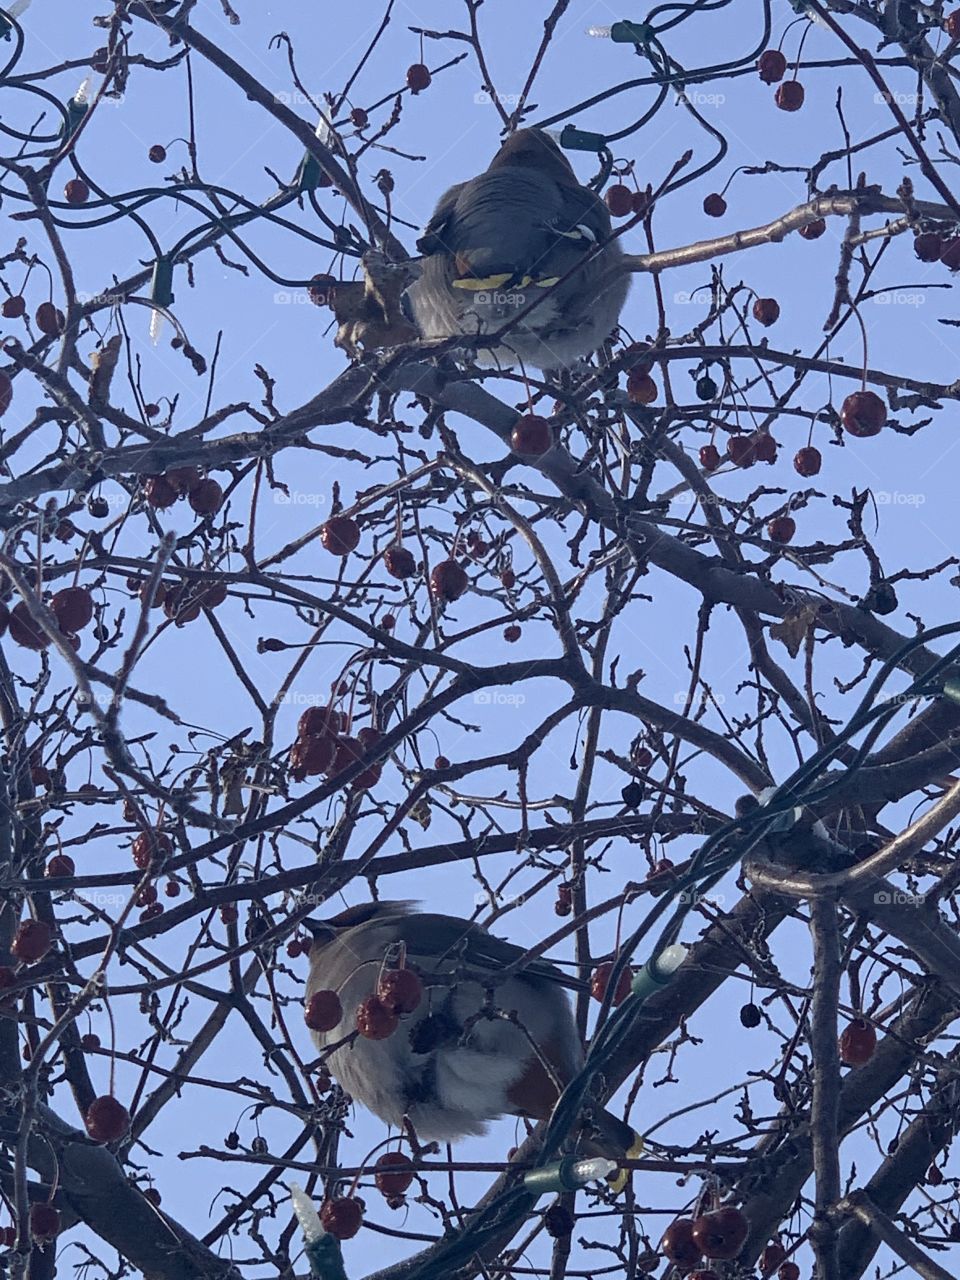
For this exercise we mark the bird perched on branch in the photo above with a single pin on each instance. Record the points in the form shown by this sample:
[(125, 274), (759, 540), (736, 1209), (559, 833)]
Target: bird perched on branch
[(525, 231), (474, 1043)]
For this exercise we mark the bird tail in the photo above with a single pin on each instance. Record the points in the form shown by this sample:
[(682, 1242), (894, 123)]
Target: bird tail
[(613, 1138)]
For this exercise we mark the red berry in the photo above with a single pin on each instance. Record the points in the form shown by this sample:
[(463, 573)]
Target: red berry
[(146, 896), (152, 1195), (508, 579), (400, 990), (375, 1021), (183, 480), (44, 1222), (531, 435), (788, 1271), (159, 493), (229, 913), (14, 307), (441, 762), (714, 205), (388, 622), (49, 319), (393, 1172), (359, 118), (342, 1218), (313, 755), (772, 66), (73, 608), (709, 457), (781, 529), (721, 1234), (742, 450), (950, 255), (76, 191), (207, 498), (601, 977), (928, 246), (512, 633), (320, 721), (951, 24), (857, 1043), (934, 1176), (61, 864), (773, 1254), (340, 535), (107, 1120), (863, 413), (322, 288), (807, 461), (172, 889), (766, 311), (25, 631), (679, 1246), (619, 200), (448, 581), (151, 911), (418, 77), (699, 1274), (323, 1011), (765, 446), (149, 846), (32, 941), (789, 95), (399, 562), (641, 388), (157, 153), (641, 202), (90, 1043), (813, 230)]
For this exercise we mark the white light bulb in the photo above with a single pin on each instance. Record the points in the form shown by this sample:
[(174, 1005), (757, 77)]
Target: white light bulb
[(81, 95), (599, 33), (307, 1215), (592, 1169), (670, 959)]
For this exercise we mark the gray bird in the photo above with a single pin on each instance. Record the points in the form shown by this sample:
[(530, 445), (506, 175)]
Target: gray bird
[(446, 1068), (523, 231)]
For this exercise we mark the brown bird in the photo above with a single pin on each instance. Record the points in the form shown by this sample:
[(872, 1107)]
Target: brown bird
[(526, 230), (448, 1067)]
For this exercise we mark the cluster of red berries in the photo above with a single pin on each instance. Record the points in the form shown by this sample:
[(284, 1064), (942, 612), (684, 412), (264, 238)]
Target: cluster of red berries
[(448, 580), (622, 201), (772, 67), (325, 745), (204, 495), (718, 1234), (72, 607), (398, 991)]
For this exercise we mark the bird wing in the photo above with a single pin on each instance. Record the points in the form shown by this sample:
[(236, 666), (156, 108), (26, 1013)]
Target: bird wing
[(481, 950)]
